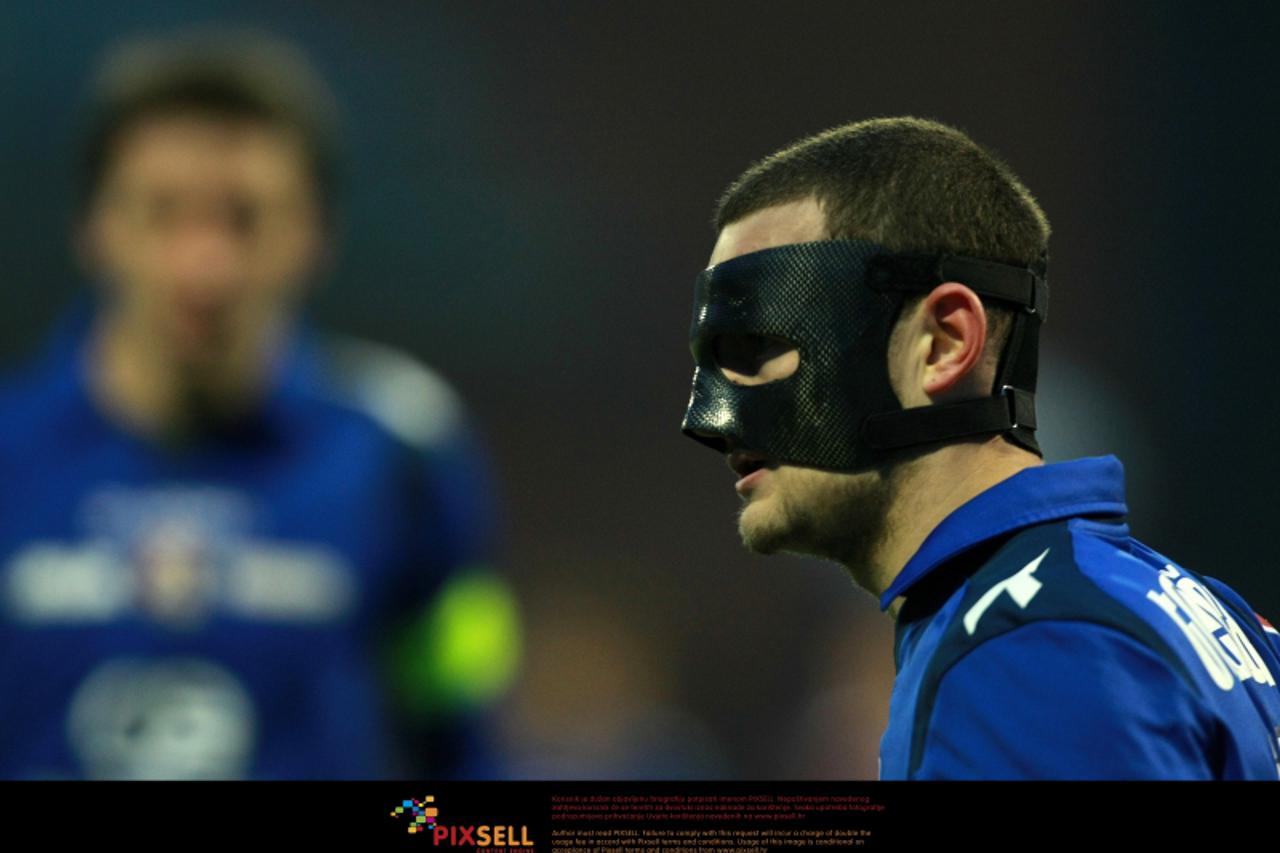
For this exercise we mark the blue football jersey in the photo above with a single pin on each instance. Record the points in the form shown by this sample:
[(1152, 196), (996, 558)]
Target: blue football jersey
[(219, 610), (1039, 640)]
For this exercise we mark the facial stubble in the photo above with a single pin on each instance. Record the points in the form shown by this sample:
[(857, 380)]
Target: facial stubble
[(837, 516)]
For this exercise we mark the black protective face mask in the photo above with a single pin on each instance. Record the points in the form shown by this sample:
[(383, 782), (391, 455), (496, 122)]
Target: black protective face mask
[(837, 301)]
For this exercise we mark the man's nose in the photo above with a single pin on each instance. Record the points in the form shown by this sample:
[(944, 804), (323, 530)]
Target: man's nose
[(716, 441), (207, 260)]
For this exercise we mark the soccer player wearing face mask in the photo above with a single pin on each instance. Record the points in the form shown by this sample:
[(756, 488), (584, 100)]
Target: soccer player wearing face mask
[(865, 340)]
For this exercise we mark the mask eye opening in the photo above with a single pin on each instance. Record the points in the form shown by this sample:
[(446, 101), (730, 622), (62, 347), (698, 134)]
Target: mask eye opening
[(754, 359)]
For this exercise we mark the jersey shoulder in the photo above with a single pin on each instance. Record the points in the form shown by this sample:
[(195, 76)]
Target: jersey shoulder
[(1092, 572), (408, 399), (1067, 571), (414, 407), (1094, 634), (386, 390), (39, 402), (1065, 700)]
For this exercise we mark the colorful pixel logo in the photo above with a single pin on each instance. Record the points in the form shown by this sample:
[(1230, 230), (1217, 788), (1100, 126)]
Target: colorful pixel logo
[(422, 811)]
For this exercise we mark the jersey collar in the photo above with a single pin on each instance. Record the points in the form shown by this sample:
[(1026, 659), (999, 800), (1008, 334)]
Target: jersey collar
[(1091, 486)]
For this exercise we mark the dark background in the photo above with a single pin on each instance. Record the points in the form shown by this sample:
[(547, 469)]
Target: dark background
[(527, 200)]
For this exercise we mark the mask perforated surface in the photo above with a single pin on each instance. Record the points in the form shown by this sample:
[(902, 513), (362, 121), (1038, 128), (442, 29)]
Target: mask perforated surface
[(813, 295)]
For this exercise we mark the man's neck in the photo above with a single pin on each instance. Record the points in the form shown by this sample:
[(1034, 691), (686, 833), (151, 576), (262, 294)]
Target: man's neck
[(148, 392), (928, 489)]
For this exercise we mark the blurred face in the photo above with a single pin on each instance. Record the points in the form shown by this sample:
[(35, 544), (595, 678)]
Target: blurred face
[(203, 230), (788, 507)]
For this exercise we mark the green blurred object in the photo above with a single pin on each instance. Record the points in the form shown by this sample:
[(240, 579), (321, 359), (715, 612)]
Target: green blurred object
[(462, 652)]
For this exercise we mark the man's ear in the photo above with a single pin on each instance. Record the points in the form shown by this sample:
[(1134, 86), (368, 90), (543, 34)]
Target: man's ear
[(956, 324)]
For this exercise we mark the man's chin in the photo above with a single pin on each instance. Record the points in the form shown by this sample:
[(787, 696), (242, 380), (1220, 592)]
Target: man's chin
[(200, 356), (763, 532)]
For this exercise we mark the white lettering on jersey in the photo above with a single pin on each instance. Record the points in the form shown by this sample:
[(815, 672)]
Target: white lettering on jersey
[(1218, 640), (173, 580), (66, 582), (1021, 586)]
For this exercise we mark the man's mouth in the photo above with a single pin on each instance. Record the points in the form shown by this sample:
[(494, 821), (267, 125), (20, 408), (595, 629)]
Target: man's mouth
[(749, 467)]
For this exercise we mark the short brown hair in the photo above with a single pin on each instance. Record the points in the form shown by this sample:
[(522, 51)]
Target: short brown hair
[(228, 74), (910, 184)]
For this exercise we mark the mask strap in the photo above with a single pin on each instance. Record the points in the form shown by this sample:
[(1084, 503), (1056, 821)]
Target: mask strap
[(1021, 286), (1011, 410)]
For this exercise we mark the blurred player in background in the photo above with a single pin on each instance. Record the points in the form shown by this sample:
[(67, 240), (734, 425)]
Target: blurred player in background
[(231, 546)]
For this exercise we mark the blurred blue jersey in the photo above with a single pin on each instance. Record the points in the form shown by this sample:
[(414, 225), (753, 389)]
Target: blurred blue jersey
[(216, 611), (1039, 640)]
